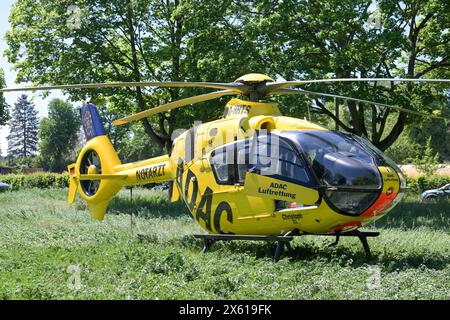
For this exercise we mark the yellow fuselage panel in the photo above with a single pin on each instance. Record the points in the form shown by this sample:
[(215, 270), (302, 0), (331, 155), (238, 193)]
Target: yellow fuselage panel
[(268, 187), (249, 209), (148, 171), (232, 209)]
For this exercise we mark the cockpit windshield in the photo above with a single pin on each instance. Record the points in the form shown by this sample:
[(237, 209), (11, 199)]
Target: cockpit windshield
[(337, 160)]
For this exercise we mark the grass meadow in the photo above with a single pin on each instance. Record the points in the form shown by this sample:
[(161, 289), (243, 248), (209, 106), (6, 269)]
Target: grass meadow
[(50, 250)]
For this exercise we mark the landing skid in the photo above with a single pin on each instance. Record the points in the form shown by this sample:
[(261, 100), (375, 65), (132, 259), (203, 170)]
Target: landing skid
[(362, 235), (284, 240)]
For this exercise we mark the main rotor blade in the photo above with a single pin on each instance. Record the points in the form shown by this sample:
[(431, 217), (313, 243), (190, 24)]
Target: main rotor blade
[(174, 105), (270, 87), (238, 87), (300, 91)]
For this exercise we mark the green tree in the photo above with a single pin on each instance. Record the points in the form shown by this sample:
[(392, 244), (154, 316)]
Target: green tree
[(117, 134), (437, 131), (4, 115), (404, 150), (135, 146), (154, 40), (317, 39), (132, 40), (428, 162), (58, 135), (23, 136)]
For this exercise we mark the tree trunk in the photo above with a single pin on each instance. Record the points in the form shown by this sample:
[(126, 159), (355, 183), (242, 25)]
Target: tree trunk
[(160, 140)]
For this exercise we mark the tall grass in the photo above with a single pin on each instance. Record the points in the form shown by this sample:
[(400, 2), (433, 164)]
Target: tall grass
[(152, 255)]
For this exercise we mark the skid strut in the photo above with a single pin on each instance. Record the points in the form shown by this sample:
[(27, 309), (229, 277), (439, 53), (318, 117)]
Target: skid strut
[(284, 240), (209, 239), (362, 236)]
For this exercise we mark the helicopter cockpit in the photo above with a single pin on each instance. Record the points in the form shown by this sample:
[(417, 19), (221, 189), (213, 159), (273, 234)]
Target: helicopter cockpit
[(344, 167)]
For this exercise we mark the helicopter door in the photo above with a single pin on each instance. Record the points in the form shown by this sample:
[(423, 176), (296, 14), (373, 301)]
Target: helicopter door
[(276, 171), (272, 188)]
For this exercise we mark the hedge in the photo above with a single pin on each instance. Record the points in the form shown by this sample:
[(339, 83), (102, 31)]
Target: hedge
[(42, 180), (45, 180), (422, 183)]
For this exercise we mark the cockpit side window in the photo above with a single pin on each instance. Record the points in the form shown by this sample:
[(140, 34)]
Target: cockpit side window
[(272, 156), (223, 165), (229, 162), (265, 154), (221, 168)]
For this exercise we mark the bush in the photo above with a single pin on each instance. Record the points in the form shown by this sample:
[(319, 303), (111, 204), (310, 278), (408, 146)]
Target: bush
[(422, 183), (428, 163), (42, 180)]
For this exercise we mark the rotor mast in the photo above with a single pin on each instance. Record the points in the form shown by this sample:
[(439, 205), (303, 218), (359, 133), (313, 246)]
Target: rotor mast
[(254, 81)]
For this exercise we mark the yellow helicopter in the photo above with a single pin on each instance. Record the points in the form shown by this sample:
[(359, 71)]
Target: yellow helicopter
[(254, 174)]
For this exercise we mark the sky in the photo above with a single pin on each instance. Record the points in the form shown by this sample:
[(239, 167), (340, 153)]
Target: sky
[(10, 77)]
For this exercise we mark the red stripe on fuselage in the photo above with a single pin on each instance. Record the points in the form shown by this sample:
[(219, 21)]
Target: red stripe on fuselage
[(348, 226), (382, 202)]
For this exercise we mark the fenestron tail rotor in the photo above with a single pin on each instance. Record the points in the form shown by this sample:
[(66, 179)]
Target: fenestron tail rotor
[(90, 164)]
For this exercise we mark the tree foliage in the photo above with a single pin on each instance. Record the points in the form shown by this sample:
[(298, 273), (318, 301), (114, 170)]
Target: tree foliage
[(23, 136), (154, 40), (429, 161), (58, 134), (130, 41), (4, 114), (316, 39)]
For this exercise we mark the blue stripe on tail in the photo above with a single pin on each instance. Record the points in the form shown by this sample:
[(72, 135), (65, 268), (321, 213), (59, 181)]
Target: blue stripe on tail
[(92, 123)]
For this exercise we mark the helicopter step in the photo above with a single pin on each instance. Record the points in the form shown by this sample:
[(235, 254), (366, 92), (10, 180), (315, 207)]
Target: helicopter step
[(284, 240), (209, 239)]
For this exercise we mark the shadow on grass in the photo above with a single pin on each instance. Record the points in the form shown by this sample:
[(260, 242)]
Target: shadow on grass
[(407, 215), (388, 260), (411, 214), (343, 256)]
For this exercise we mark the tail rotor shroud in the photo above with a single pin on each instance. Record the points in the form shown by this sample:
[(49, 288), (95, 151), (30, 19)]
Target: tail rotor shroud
[(90, 164)]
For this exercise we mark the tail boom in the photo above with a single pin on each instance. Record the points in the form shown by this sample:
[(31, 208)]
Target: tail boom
[(153, 170)]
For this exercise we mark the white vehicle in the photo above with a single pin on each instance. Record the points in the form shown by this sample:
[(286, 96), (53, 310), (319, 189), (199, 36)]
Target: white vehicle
[(4, 186), (434, 194)]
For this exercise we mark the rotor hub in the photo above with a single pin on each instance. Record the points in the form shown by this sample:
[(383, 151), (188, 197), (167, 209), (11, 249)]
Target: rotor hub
[(255, 81), (254, 78), (92, 169)]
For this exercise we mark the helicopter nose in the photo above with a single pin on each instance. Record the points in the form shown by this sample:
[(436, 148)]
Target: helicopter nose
[(390, 195), (363, 188)]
